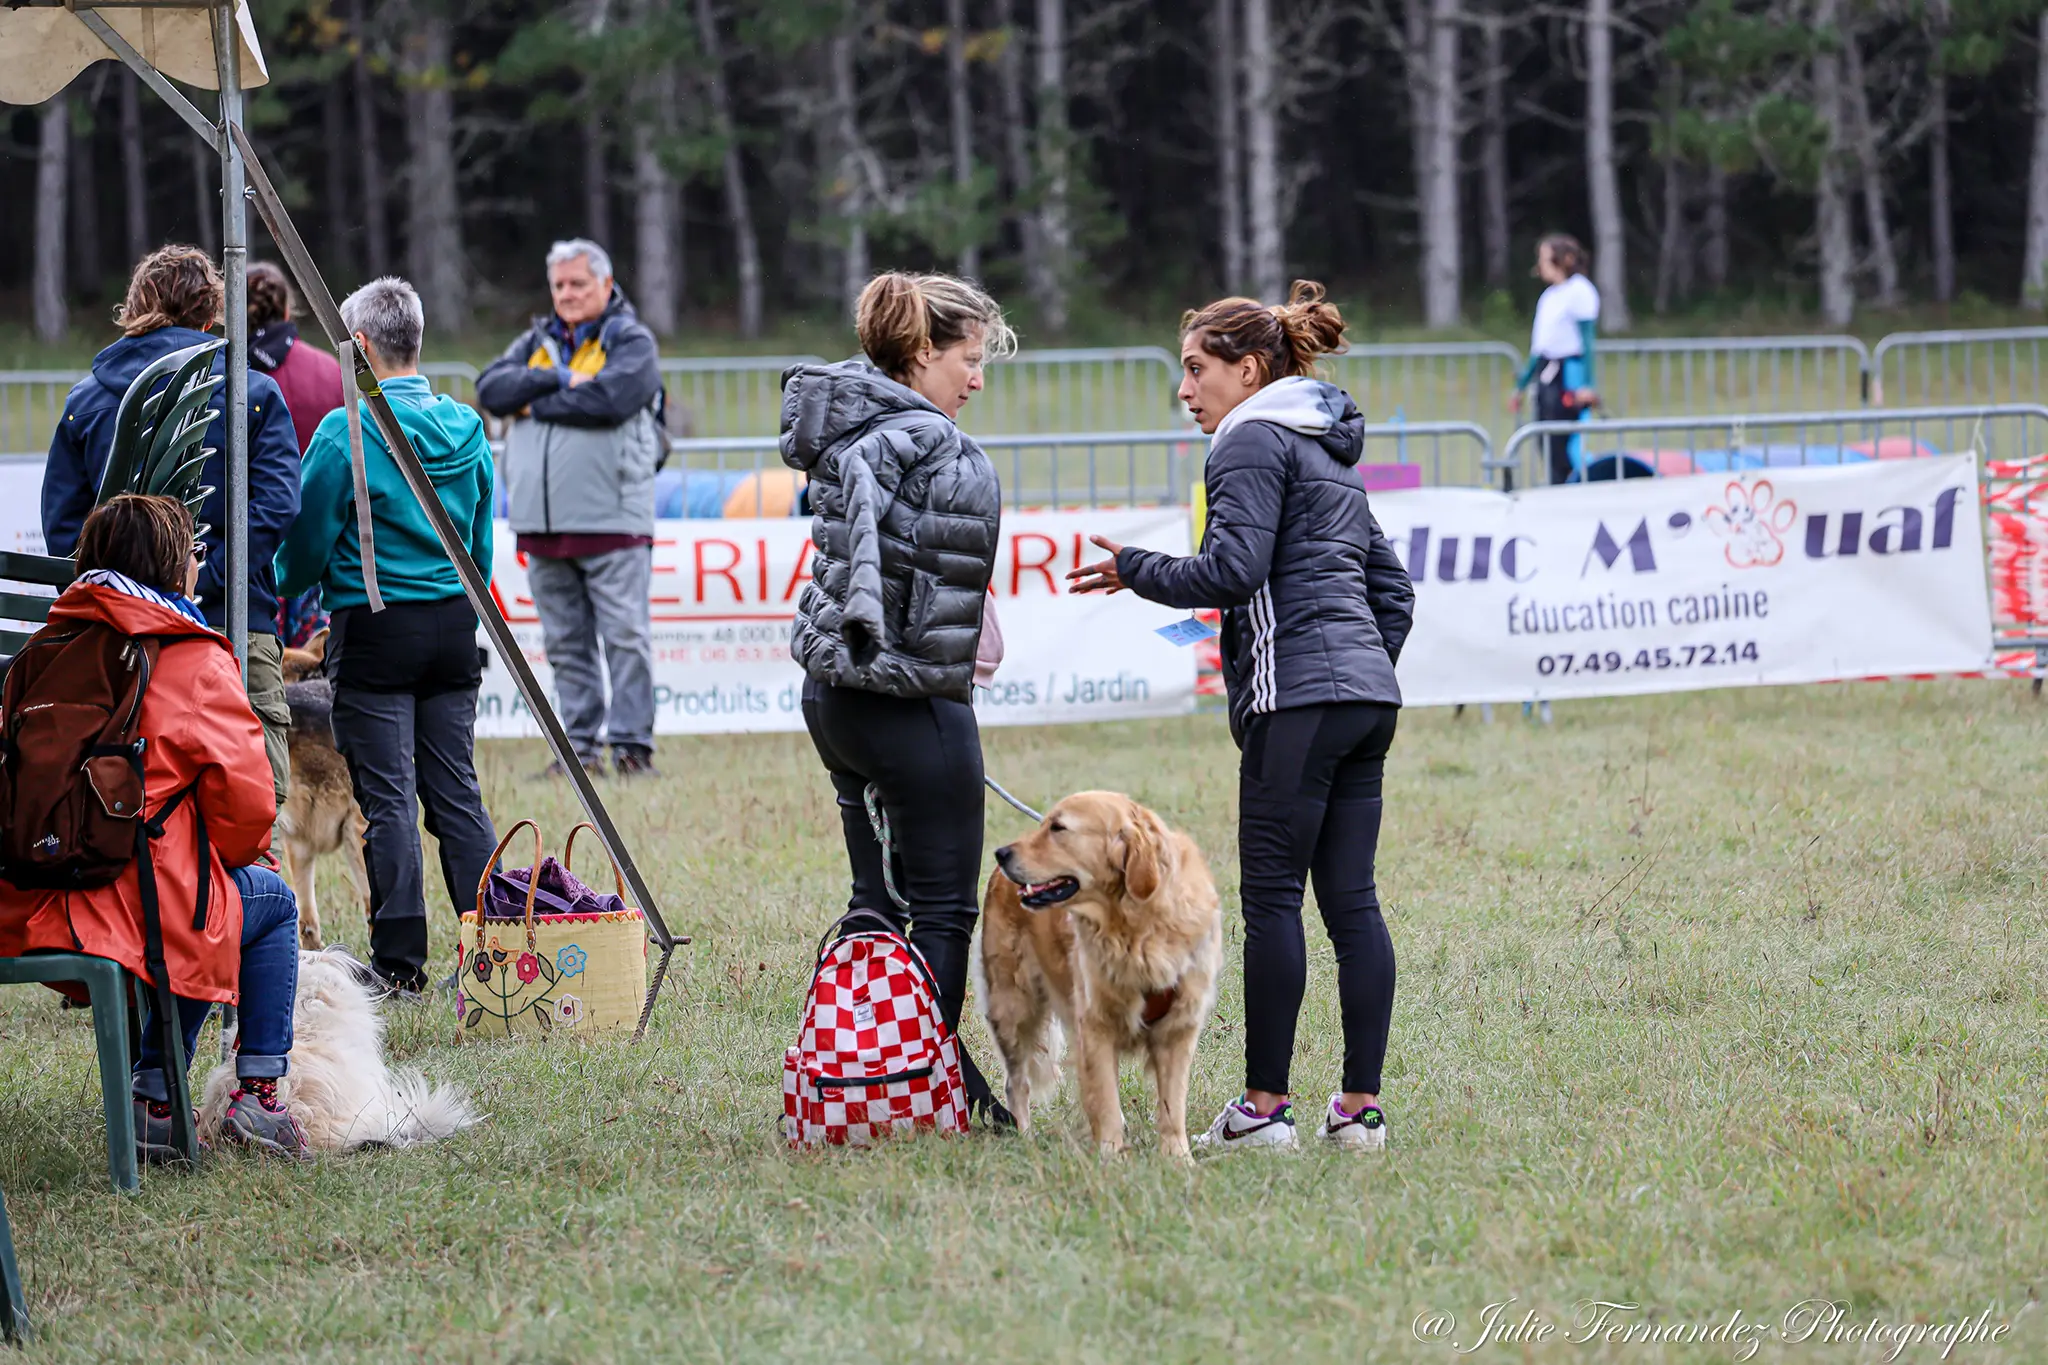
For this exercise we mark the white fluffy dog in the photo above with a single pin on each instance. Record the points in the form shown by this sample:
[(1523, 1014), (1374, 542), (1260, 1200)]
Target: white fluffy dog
[(342, 1093)]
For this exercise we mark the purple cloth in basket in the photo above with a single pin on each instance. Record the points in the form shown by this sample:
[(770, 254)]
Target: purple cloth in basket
[(561, 893)]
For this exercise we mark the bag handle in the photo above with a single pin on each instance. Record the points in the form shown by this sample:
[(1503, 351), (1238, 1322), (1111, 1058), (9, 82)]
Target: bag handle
[(532, 884), (887, 926), (569, 857)]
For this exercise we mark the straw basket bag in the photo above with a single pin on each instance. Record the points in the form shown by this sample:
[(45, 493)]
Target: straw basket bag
[(542, 953)]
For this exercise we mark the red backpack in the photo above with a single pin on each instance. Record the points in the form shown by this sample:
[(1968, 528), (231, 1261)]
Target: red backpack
[(71, 759), (875, 1055)]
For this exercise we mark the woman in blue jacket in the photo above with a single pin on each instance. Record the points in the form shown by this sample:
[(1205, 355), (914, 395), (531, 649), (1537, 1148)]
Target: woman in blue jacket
[(1315, 608), (404, 662), (175, 297)]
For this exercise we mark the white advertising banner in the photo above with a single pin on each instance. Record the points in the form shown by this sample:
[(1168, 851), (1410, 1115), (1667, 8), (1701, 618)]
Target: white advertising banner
[(21, 506), (1712, 580), (726, 591)]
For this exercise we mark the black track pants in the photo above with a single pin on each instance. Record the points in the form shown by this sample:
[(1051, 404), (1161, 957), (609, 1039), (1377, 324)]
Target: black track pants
[(1309, 805), (924, 754)]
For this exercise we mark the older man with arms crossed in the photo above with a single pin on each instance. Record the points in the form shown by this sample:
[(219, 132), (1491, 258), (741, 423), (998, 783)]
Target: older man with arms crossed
[(583, 388)]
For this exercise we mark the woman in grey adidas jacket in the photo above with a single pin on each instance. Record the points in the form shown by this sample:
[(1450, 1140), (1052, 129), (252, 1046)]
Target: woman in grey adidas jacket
[(1315, 607), (890, 628)]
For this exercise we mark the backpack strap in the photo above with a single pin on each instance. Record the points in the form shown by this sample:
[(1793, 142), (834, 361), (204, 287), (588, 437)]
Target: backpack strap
[(177, 1085), (883, 925), (155, 828)]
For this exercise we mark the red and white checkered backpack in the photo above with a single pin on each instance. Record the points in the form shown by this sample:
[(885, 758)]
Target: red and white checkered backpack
[(875, 1055)]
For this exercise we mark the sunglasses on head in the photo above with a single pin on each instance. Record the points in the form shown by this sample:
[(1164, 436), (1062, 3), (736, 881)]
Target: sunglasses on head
[(199, 553)]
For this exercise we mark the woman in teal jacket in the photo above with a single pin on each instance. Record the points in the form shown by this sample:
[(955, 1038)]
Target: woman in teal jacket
[(405, 676), (1561, 350)]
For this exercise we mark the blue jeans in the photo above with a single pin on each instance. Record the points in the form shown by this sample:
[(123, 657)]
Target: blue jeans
[(270, 982), (582, 601)]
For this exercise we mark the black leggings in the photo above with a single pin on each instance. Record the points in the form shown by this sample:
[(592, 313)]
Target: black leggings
[(1551, 407), (925, 756), (1309, 803)]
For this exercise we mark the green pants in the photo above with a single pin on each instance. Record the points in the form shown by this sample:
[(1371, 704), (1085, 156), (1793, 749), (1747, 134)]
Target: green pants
[(266, 699)]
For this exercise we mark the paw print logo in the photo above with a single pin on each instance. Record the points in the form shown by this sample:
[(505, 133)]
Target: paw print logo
[(1752, 522)]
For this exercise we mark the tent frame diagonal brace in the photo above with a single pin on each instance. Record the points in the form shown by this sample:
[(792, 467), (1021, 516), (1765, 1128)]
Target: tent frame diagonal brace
[(313, 289), (153, 78)]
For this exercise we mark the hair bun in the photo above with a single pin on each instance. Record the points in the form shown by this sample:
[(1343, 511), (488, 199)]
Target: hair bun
[(1312, 324)]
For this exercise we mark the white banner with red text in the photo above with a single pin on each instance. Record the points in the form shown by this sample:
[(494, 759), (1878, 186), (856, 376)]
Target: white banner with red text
[(1661, 585), (725, 592)]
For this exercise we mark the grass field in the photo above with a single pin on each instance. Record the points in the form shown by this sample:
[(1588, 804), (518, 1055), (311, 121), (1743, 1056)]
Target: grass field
[(1709, 1003)]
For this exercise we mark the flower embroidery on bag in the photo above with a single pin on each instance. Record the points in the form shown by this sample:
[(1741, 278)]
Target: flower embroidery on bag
[(569, 1010), (570, 960), (529, 968)]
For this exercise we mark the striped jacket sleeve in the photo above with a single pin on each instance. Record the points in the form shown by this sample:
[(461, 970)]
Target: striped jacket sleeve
[(1246, 479)]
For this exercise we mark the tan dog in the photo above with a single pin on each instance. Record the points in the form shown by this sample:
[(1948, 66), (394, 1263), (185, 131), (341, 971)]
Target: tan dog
[(320, 815), (1106, 924)]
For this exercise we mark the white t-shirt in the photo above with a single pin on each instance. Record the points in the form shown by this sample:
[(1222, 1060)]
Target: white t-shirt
[(1558, 315)]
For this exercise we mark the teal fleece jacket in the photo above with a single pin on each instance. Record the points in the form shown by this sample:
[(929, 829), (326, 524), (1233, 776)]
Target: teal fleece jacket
[(411, 565)]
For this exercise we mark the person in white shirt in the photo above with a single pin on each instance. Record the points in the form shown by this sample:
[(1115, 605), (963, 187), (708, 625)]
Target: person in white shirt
[(1561, 348)]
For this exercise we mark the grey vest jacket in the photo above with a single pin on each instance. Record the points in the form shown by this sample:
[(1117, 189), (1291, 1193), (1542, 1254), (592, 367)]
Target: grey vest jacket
[(583, 479), (908, 510)]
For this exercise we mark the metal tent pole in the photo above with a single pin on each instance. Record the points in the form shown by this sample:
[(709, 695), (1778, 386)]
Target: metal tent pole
[(234, 239)]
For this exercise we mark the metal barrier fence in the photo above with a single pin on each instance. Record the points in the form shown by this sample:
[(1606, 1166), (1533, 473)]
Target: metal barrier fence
[(1133, 388), (1683, 375), (1992, 366), (1430, 381), (30, 403), (1128, 388), (456, 378), (726, 396), (1444, 454), (1134, 468), (1653, 446)]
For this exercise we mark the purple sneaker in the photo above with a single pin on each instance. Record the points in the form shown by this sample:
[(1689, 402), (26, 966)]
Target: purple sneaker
[(252, 1123)]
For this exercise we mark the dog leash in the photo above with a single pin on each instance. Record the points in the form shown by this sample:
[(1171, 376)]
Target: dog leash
[(997, 788), (878, 820)]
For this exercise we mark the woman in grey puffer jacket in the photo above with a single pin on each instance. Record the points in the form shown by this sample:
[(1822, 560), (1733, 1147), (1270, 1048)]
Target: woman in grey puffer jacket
[(889, 628)]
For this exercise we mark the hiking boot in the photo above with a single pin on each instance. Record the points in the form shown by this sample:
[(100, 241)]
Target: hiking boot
[(154, 1143), (252, 1123), (633, 763), (555, 772)]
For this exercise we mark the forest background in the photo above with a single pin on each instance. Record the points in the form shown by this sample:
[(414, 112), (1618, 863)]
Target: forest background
[(1735, 165)]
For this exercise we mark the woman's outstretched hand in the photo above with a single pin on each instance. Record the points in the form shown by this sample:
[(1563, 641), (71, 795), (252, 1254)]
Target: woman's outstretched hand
[(1098, 577)]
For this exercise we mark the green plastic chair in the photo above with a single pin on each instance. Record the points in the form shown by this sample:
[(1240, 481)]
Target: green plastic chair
[(13, 1305), (116, 1030)]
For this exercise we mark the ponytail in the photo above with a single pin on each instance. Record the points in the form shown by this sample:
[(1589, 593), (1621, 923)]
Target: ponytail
[(1286, 338), (900, 314)]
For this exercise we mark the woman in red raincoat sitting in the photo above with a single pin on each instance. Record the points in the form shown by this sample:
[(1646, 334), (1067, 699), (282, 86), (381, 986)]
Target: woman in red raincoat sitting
[(137, 561)]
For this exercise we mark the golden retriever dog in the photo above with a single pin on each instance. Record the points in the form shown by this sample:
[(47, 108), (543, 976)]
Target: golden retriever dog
[(339, 1087), (320, 815), (1103, 924)]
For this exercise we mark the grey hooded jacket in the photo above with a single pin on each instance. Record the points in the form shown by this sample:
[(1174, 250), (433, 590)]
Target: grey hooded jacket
[(1316, 603), (908, 509)]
